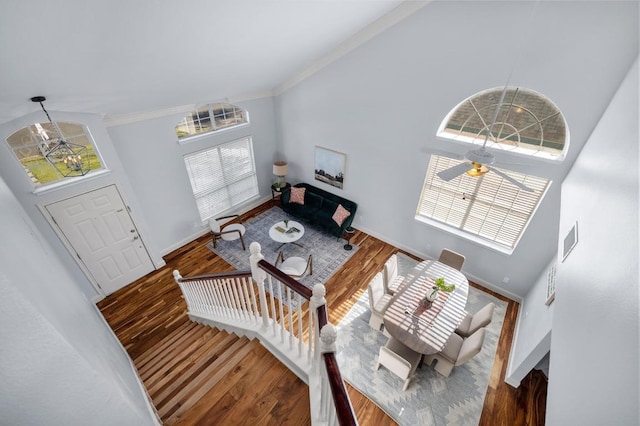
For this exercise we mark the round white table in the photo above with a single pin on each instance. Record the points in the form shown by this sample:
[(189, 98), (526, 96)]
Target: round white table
[(287, 234)]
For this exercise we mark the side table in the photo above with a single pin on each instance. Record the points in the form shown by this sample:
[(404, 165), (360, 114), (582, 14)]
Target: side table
[(277, 192), (348, 233)]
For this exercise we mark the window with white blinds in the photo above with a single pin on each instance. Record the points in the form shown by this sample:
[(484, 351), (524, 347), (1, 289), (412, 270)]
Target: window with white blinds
[(223, 176), (488, 207)]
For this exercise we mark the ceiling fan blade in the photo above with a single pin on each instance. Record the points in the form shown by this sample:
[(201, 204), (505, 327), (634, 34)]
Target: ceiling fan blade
[(512, 180), (454, 172)]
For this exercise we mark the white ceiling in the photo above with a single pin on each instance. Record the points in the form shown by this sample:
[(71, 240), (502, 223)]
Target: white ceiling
[(123, 56)]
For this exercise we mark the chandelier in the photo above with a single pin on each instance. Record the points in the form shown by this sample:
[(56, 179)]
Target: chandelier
[(68, 158)]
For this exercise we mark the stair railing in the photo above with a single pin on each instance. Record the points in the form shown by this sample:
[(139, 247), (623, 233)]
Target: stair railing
[(266, 304)]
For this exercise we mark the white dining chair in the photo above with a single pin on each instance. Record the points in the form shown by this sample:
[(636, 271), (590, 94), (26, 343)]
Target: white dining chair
[(392, 280), (378, 301), (399, 359), (456, 351), (451, 258), (471, 323)]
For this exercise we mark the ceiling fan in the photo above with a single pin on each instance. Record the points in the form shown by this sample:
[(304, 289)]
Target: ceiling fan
[(479, 160)]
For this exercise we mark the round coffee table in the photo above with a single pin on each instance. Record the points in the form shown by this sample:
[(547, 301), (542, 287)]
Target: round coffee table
[(287, 234)]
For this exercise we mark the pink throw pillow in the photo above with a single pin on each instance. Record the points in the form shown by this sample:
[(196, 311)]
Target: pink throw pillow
[(297, 195), (340, 215)]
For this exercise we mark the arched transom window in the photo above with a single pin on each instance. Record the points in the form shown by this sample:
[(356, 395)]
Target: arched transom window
[(527, 123), (34, 145), (211, 118), (492, 206)]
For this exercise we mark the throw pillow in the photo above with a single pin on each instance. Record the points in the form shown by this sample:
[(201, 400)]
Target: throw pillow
[(297, 195), (340, 215)]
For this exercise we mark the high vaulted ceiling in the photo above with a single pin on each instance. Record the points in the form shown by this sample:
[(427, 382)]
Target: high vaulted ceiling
[(124, 56)]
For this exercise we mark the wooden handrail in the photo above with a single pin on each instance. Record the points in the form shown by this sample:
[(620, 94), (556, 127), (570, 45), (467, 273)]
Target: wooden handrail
[(341, 401), (229, 274)]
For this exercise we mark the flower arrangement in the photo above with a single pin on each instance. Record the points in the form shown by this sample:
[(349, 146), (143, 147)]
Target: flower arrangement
[(444, 286)]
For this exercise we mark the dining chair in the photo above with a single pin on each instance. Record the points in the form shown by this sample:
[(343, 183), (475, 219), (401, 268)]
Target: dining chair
[(471, 323), (399, 359), (451, 258), (230, 232), (295, 267), (378, 301), (456, 351), (391, 279)]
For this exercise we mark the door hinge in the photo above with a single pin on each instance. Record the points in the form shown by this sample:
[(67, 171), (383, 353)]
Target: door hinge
[(54, 220), (129, 208), (78, 254)]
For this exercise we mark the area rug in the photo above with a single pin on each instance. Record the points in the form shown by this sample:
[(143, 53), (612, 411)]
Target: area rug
[(327, 251), (430, 399)]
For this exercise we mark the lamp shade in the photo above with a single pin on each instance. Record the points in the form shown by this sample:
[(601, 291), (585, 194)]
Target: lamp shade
[(280, 168)]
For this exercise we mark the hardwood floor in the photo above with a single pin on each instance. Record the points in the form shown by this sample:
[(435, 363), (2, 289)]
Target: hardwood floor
[(196, 375)]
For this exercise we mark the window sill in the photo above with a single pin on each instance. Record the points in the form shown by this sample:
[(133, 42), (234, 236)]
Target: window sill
[(63, 183), (467, 236)]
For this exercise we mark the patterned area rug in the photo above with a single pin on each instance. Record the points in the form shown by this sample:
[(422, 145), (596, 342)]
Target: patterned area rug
[(430, 399), (327, 251)]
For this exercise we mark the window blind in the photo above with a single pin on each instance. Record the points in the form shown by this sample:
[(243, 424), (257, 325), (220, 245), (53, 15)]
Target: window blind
[(222, 177), (487, 206)]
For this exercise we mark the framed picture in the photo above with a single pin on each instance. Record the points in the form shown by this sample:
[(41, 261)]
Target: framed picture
[(329, 167), (551, 285)]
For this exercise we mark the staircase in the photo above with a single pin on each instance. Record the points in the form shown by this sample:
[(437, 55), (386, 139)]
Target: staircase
[(287, 319)]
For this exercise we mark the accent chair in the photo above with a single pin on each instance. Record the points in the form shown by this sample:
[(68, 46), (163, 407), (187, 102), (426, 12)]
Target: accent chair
[(230, 232), (295, 267)]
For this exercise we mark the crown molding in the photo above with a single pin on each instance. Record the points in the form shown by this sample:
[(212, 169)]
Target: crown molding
[(407, 8), (119, 120)]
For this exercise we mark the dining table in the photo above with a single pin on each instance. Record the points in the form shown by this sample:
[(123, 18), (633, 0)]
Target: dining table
[(421, 325)]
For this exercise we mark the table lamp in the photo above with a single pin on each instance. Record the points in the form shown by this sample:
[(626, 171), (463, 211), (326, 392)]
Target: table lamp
[(280, 169)]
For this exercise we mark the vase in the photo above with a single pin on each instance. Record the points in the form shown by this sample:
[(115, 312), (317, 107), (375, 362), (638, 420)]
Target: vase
[(433, 294)]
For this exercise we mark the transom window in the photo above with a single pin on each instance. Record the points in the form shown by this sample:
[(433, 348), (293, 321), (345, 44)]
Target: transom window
[(222, 176), (31, 144), (211, 118), (527, 123)]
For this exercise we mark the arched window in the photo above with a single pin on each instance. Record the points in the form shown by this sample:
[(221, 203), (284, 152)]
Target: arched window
[(33, 147), (211, 118), (527, 123), (484, 206)]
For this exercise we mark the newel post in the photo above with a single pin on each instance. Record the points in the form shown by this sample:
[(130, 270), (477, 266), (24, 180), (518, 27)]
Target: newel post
[(259, 276)]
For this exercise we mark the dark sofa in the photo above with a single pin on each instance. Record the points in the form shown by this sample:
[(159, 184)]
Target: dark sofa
[(318, 208)]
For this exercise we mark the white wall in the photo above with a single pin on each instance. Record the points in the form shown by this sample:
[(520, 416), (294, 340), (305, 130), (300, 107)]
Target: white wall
[(382, 103), (60, 363), (21, 186), (532, 339), (594, 363), (155, 168)]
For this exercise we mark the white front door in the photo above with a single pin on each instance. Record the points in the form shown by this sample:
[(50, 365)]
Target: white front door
[(100, 230)]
